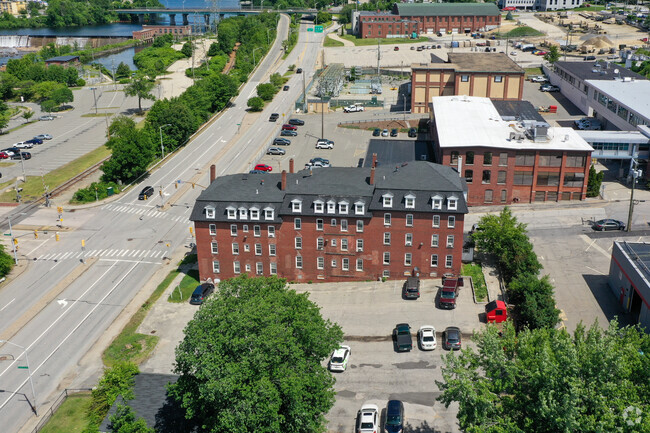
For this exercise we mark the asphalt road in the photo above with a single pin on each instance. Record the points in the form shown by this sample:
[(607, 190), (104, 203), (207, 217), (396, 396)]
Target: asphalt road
[(59, 306)]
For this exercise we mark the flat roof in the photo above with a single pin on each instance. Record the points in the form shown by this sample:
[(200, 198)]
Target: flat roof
[(600, 70), (472, 121), (475, 62), (634, 94), (517, 110), (640, 254), (447, 9), (62, 59), (613, 137)]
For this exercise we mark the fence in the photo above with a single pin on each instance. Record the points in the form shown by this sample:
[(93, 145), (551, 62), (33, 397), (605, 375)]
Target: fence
[(57, 403)]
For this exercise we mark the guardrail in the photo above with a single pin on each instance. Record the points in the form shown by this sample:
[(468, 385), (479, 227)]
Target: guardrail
[(57, 403)]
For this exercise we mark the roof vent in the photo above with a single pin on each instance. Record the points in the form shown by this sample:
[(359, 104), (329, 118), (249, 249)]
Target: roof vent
[(257, 191)]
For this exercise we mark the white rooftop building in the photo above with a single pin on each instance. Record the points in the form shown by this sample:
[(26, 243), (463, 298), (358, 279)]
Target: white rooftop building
[(622, 103)]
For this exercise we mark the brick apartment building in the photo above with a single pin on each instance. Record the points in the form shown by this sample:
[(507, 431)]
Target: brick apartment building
[(332, 224), (148, 33), (492, 75), (413, 19), (511, 160)]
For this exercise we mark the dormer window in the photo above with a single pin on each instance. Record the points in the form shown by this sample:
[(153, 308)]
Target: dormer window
[(269, 213), (319, 206), (331, 206), (452, 203), (387, 200), (243, 213), (255, 213), (343, 207), (210, 212), (232, 212), (436, 202), (359, 208), (296, 205), (409, 201)]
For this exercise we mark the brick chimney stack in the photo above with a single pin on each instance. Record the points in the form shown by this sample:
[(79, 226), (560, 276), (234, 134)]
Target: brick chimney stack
[(283, 185), (291, 165), (372, 175), (213, 173), (374, 160)]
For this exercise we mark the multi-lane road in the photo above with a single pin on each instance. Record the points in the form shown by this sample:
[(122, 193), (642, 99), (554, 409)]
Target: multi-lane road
[(59, 306)]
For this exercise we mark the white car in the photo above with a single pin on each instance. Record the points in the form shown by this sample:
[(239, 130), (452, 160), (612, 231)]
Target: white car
[(324, 144), (384, 133), (538, 79), (23, 145), (513, 53), (427, 337), (368, 419), (339, 359), (353, 108)]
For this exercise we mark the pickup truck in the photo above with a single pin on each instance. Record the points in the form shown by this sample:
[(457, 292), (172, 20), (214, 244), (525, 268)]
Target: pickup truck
[(449, 293), (353, 108), (402, 337)]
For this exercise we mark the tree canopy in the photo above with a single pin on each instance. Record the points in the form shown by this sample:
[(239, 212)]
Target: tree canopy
[(548, 381), (252, 355), (141, 87)]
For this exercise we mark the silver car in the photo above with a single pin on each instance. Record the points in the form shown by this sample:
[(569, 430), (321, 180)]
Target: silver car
[(275, 151)]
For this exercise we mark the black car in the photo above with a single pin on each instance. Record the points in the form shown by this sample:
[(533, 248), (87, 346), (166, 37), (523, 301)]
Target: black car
[(34, 141), (285, 88), (201, 292), (411, 289), (376, 132), (21, 155), (413, 132), (257, 172), (608, 224), (394, 417), (281, 142), (319, 159), (299, 71), (393, 132), (451, 339), (146, 193), (296, 122), (288, 133), (273, 117)]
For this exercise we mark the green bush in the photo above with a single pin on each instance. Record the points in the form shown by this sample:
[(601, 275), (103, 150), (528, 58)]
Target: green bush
[(214, 49), (6, 262), (116, 381), (256, 103), (266, 91), (87, 195), (594, 182)]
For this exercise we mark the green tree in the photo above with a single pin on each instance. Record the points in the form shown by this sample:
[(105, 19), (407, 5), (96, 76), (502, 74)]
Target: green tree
[(547, 381), (252, 354), (4, 115), (180, 117), (534, 302), (187, 49), (594, 182), (121, 126), (131, 155), (48, 105), (322, 17), (255, 103), (266, 91), (62, 95), (214, 49), (509, 16), (116, 381), (122, 71), (553, 54), (141, 87), (124, 421), (6, 262), (277, 80), (28, 115)]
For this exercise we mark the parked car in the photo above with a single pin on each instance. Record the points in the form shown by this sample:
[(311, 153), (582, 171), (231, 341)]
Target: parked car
[(287, 127), (34, 141), (10, 150), (23, 145), (451, 338), (538, 79), (275, 151), (393, 132), (412, 48), (384, 133), (449, 293), (263, 167), (44, 118), (146, 193), (588, 123), (402, 337), (201, 292), (281, 141), (513, 53), (368, 419), (339, 359), (394, 417), (296, 122), (288, 133), (396, 49), (285, 88), (323, 143), (22, 155), (427, 337), (257, 171), (273, 117), (323, 161), (549, 88), (411, 289), (353, 108), (44, 137), (4, 155), (376, 132), (608, 224), (413, 132), (299, 71)]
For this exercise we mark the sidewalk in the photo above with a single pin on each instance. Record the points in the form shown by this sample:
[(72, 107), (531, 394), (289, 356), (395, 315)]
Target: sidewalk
[(334, 35), (175, 82)]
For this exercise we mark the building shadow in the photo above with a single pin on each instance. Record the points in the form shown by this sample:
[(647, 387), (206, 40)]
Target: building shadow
[(422, 428), (606, 299), (569, 106)]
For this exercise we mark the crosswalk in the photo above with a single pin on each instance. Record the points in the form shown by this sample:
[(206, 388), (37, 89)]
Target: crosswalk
[(116, 254), (144, 211)]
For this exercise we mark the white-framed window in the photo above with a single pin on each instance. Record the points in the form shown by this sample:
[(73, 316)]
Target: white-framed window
[(243, 213), (296, 205), (344, 225), (359, 226), (333, 222), (247, 248), (298, 242), (244, 228), (269, 213), (434, 260), (236, 267), (436, 221), (297, 223), (408, 239), (345, 264), (271, 231), (451, 221), (319, 224), (215, 247), (213, 229), (409, 201), (216, 268), (359, 264), (231, 213), (320, 262), (449, 260), (331, 206), (343, 207), (386, 273), (344, 244), (359, 245), (258, 249), (452, 203), (387, 200), (210, 212), (386, 238), (233, 230), (255, 213), (320, 243), (409, 220), (333, 242), (259, 268), (386, 258), (359, 208), (257, 231), (450, 241), (299, 262), (434, 241), (235, 248), (273, 268), (408, 258), (498, 78), (248, 267), (436, 202), (319, 206), (272, 250), (333, 263), (387, 219)]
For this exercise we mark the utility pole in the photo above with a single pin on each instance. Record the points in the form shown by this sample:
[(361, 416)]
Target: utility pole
[(566, 46), (322, 117), (113, 70), (634, 173), (22, 163), (94, 97), (304, 94), (378, 58), (13, 240), (28, 369), (162, 149)]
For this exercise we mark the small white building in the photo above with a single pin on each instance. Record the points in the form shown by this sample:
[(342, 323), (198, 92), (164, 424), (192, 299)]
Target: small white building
[(621, 103)]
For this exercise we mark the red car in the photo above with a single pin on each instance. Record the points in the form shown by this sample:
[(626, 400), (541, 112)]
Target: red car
[(287, 127), (4, 155), (263, 167)]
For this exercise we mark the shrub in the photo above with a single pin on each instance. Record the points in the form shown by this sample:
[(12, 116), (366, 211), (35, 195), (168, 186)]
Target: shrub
[(116, 381), (266, 91), (256, 103), (96, 190)]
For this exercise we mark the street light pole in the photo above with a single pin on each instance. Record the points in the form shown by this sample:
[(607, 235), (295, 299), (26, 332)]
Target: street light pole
[(13, 242), (634, 174), (94, 97), (162, 149), (28, 369)]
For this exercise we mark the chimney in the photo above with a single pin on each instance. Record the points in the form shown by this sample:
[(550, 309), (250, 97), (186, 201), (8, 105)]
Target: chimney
[(374, 161), (372, 175), (283, 185), (213, 173), (460, 166), (291, 165)]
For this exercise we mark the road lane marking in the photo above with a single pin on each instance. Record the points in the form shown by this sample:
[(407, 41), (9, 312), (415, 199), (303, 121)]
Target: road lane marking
[(7, 304), (38, 247)]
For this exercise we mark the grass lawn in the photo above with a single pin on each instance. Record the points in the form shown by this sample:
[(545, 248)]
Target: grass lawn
[(590, 8), (520, 32), (329, 42), (186, 287), (480, 289), (392, 41), (533, 71), (33, 188), (71, 416)]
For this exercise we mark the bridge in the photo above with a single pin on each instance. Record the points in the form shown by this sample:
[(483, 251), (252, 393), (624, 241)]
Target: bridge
[(206, 12)]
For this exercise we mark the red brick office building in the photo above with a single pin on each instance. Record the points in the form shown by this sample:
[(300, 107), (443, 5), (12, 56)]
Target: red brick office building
[(508, 160), (332, 224), (408, 19)]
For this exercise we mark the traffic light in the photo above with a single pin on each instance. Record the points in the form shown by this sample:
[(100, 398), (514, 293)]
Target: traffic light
[(175, 185), (192, 231), (193, 185), (35, 234), (160, 192), (15, 241), (83, 243), (56, 236), (59, 209), (145, 197)]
